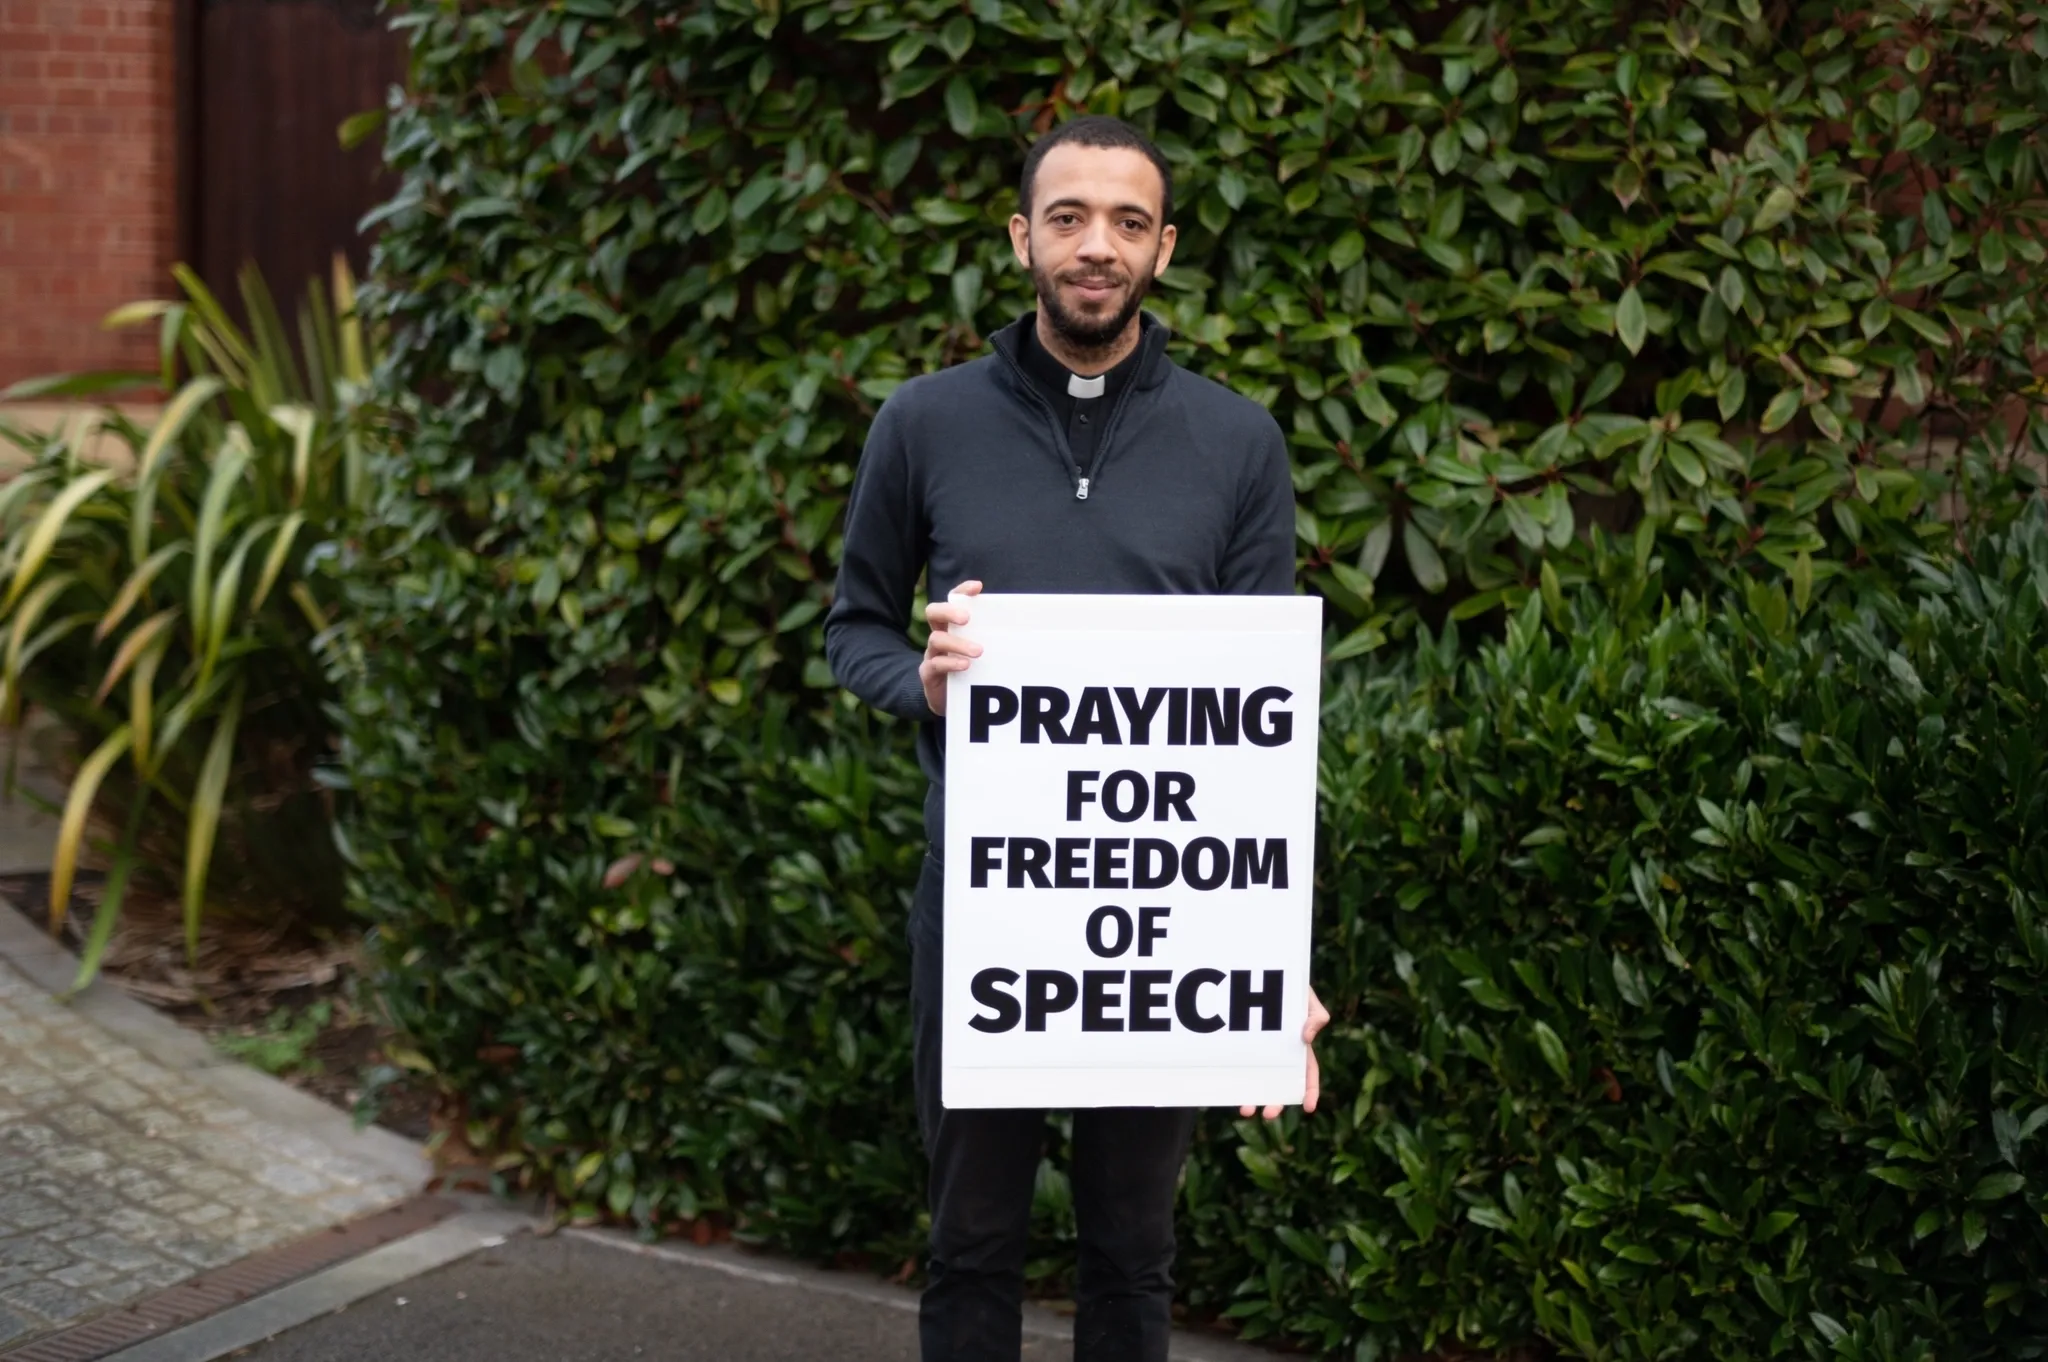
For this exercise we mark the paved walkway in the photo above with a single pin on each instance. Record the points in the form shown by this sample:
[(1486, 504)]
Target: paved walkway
[(132, 1154)]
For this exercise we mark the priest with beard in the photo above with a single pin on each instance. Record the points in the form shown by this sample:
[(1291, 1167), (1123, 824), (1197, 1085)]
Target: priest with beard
[(1076, 457)]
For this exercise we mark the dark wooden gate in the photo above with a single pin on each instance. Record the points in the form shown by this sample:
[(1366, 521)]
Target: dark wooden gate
[(269, 83)]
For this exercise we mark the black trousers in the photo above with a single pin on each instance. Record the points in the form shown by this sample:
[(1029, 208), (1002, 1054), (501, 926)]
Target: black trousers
[(1126, 1168)]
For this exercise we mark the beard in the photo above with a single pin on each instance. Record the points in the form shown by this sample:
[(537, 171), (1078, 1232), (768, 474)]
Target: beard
[(1085, 334)]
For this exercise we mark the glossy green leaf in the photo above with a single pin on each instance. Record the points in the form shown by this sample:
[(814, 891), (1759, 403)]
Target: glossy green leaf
[(1781, 410), (1631, 322)]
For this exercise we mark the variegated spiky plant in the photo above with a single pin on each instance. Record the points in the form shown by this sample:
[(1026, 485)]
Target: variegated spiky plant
[(154, 599)]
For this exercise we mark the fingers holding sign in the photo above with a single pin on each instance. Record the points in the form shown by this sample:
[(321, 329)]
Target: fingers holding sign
[(1318, 1018), (945, 654)]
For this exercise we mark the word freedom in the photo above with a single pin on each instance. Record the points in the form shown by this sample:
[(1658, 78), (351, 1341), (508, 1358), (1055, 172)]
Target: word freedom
[(1127, 863)]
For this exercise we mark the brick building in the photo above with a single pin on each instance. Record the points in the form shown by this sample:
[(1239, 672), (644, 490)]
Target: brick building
[(138, 133)]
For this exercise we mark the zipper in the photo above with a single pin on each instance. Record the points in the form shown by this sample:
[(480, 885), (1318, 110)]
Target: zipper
[(1083, 478), (1123, 399)]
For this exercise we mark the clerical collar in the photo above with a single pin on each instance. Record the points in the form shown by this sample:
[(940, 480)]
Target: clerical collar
[(1064, 387)]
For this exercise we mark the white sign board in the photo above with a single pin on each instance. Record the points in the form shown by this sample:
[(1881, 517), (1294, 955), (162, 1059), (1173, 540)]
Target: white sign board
[(1130, 839)]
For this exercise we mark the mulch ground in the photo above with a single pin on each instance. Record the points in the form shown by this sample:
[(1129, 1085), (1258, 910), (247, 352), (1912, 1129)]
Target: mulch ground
[(291, 999)]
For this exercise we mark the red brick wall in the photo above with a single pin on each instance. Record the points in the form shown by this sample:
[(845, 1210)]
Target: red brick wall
[(88, 198)]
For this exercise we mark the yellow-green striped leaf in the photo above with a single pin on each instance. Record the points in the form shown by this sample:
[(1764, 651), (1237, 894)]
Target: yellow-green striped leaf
[(187, 710), (71, 830), (273, 562), (132, 648), (315, 616), (132, 590), (168, 342), (228, 467), (177, 414), (221, 611), (204, 821), (107, 911), (43, 538), (130, 314), (18, 491), (58, 629), (353, 367), (299, 422), (26, 619), (149, 464), (142, 704), (221, 337)]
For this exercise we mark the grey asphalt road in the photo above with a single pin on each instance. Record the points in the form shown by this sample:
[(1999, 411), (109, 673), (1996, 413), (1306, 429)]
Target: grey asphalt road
[(563, 1299), (570, 1299)]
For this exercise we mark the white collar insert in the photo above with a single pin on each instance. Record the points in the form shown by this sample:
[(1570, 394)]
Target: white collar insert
[(1078, 386)]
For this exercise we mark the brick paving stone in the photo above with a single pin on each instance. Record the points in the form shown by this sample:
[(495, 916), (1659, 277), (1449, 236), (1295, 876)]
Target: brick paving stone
[(27, 1211), (292, 1179), (61, 1237), (119, 1176), (32, 1090), (55, 1302), (67, 1231), (13, 1326), (78, 1162), (115, 1252), (246, 1225), (215, 1112), (86, 1202), (81, 1275), (134, 1183), (216, 1183), (111, 1094), (129, 1285), (255, 1241), (140, 1225), (199, 1250), (349, 1205), (31, 1135), (82, 1122), (119, 1291), (37, 1255)]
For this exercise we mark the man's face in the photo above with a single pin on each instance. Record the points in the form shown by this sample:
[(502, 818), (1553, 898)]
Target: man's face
[(1093, 242)]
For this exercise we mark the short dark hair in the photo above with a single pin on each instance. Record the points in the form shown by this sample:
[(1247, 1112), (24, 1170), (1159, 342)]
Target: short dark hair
[(1096, 130)]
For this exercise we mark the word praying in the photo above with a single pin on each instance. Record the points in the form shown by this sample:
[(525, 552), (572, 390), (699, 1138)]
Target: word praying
[(1187, 716)]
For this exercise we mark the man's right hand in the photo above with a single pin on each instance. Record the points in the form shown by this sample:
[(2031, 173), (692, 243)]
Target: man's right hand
[(945, 653)]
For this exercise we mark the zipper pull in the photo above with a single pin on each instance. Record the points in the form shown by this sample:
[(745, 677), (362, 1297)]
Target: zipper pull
[(1081, 490)]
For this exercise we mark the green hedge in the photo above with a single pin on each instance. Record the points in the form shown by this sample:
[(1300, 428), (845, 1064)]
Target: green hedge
[(638, 871), (1694, 978)]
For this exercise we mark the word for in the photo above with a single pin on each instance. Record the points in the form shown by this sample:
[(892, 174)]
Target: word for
[(1194, 716), (1155, 1004), (1126, 862), (1126, 795)]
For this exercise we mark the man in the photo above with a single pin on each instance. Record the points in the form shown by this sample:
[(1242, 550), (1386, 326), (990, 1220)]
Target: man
[(1076, 458)]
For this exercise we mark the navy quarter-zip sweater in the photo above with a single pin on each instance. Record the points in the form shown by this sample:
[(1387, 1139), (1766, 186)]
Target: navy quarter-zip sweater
[(968, 474)]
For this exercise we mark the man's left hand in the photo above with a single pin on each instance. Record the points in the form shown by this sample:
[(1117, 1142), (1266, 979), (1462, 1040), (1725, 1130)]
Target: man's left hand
[(1318, 1018)]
